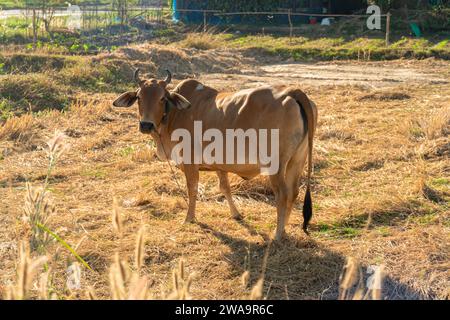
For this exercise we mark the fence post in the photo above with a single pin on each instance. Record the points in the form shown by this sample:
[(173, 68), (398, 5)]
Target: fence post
[(204, 21), (290, 25), (35, 28), (388, 28)]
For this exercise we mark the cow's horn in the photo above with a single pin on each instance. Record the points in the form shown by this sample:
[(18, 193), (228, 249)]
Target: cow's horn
[(136, 75), (168, 78)]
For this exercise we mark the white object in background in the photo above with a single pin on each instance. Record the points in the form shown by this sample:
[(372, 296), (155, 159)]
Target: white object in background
[(74, 20), (326, 22)]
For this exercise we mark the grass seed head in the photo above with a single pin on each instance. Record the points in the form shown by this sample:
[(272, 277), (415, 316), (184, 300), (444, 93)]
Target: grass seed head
[(349, 277), (56, 145), (139, 250), (117, 218), (257, 290), (27, 269), (245, 278)]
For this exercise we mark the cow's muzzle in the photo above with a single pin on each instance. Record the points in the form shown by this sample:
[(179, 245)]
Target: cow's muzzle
[(146, 127)]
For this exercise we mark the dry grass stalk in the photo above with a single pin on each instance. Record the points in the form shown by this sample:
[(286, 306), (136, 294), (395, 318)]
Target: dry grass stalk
[(90, 111), (56, 146), (138, 289), (90, 294), (437, 124), (377, 283), (38, 209), (257, 290), (78, 245), (139, 250), (118, 277), (117, 219), (245, 278), (125, 285), (202, 41), (27, 269), (349, 277), (144, 155), (17, 128), (43, 285), (181, 283), (421, 187), (352, 275)]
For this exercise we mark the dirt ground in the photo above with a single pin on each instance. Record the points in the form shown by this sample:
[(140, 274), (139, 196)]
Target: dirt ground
[(373, 75), (380, 192)]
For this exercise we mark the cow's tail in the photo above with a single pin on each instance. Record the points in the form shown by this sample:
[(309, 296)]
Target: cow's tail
[(306, 106)]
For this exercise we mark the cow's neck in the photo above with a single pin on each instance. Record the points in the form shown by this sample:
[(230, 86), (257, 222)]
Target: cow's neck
[(162, 139)]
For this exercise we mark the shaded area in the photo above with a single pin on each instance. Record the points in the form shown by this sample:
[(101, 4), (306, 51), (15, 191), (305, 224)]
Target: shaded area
[(298, 269)]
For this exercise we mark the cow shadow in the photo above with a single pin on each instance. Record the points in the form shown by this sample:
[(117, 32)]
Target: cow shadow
[(297, 267)]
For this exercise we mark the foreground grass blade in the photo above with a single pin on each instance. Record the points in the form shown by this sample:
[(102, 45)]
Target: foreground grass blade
[(65, 244)]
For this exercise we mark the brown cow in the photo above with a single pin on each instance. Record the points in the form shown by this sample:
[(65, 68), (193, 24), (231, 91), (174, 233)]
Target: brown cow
[(287, 109)]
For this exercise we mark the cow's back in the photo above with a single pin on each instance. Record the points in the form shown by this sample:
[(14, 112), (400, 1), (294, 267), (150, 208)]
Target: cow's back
[(261, 108), (257, 108)]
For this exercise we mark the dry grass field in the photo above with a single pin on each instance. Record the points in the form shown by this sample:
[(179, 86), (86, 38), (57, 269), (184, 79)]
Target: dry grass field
[(381, 186)]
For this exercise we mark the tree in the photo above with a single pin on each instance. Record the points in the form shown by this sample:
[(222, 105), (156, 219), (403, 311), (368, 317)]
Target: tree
[(404, 4), (122, 7), (42, 12)]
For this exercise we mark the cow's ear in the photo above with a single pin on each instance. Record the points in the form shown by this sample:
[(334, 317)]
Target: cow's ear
[(126, 99), (178, 101)]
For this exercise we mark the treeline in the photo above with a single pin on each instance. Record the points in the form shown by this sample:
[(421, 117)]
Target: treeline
[(274, 5), (248, 5), (386, 5)]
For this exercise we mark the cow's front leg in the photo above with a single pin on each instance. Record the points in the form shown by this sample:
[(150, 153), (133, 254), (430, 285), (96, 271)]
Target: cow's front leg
[(191, 173)]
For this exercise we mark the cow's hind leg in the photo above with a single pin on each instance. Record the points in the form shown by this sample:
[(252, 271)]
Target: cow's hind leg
[(280, 189), (293, 173), (192, 175), (224, 186)]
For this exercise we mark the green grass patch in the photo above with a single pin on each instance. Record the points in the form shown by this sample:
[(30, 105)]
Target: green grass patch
[(203, 41), (336, 230), (27, 63), (125, 152), (98, 173), (31, 92), (428, 219), (39, 82), (90, 76), (165, 33), (325, 48), (6, 109), (384, 231), (440, 182)]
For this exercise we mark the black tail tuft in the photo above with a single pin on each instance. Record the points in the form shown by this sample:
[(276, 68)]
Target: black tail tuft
[(307, 210)]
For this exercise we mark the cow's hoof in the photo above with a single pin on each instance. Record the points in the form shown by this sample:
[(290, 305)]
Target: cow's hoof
[(238, 216), (279, 236)]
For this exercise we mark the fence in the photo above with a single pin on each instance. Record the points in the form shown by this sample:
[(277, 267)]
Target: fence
[(97, 16), (58, 24), (289, 14)]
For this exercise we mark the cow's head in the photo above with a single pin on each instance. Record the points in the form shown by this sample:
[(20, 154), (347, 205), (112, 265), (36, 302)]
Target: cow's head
[(154, 101)]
